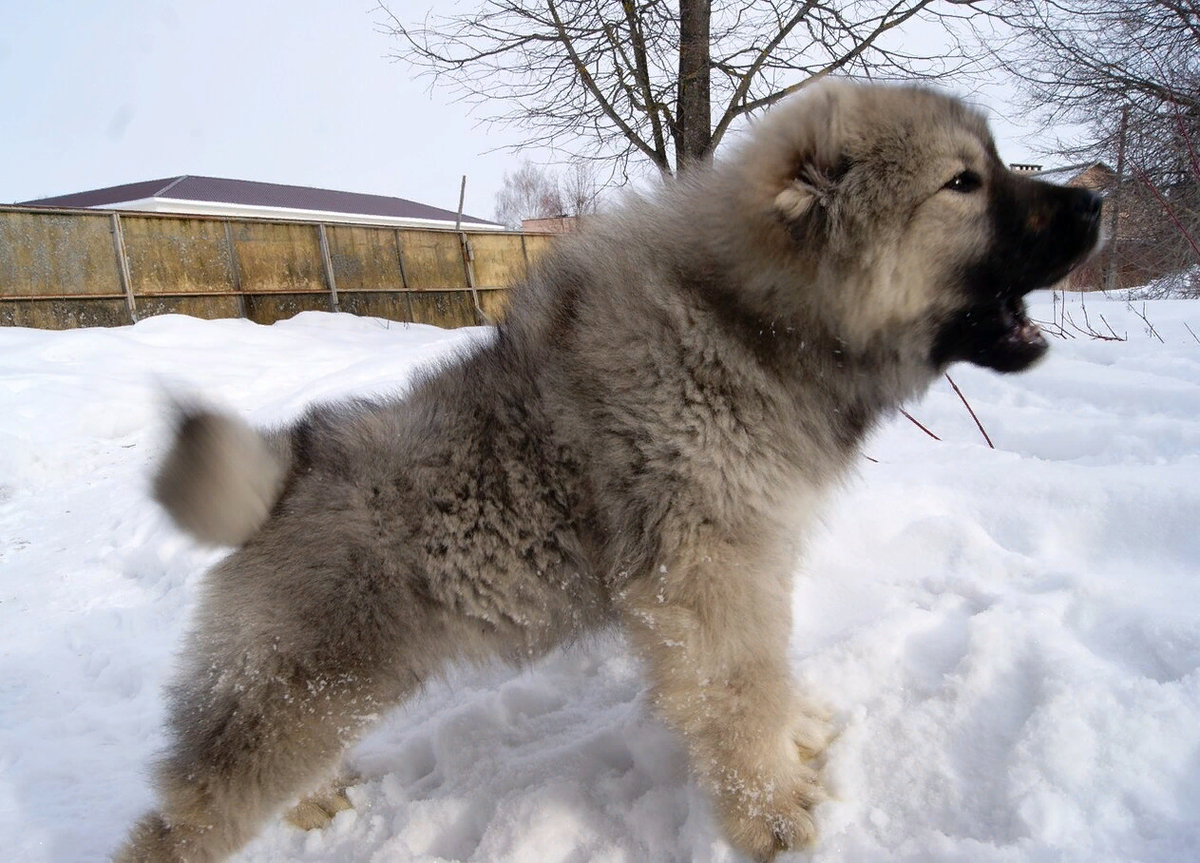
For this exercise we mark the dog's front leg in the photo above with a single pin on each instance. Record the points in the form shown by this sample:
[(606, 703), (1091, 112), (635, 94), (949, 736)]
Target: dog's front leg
[(714, 635)]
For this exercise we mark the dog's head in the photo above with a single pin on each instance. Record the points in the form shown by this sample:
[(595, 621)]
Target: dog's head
[(894, 204)]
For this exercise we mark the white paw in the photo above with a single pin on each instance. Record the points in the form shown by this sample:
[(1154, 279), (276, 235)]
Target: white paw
[(773, 816), (317, 810)]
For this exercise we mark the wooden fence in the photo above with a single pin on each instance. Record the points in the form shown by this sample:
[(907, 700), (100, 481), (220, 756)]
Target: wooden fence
[(86, 268)]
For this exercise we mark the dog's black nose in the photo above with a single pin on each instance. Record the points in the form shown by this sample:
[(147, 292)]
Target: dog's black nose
[(1088, 205)]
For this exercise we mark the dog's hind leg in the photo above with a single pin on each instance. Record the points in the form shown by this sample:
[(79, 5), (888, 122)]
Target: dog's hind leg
[(279, 679), (246, 743)]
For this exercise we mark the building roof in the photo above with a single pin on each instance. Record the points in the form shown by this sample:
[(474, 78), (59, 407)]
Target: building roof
[(191, 194), (1065, 174)]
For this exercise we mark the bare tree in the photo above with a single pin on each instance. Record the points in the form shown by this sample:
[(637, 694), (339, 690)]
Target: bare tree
[(1128, 71), (534, 192), (1077, 55), (580, 189), (663, 82), (529, 192)]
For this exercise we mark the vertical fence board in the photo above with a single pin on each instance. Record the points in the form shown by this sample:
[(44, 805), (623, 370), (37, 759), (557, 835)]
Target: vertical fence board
[(327, 266), (235, 276)]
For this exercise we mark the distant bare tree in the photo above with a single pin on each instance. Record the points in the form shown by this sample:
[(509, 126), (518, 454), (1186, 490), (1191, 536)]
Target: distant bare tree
[(580, 189), (530, 192), (663, 82), (1129, 72)]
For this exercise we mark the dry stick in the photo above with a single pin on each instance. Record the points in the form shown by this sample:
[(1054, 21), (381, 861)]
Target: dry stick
[(978, 424), (1189, 329), (1146, 321), (1071, 320), (1115, 337), (917, 423), (1053, 328), (1091, 331)]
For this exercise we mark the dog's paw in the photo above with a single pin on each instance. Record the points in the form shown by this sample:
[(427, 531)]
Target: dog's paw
[(768, 809), (812, 732), (775, 816), (317, 810)]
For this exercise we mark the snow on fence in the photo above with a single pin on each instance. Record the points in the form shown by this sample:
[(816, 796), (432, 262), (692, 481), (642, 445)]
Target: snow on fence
[(83, 268)]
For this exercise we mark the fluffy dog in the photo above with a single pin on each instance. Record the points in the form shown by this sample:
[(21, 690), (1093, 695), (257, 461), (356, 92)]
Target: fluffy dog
[(642, 443)]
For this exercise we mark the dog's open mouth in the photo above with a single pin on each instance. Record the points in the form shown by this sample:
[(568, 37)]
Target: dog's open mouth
[(1020, 332), (1007, 339), (998, 335)]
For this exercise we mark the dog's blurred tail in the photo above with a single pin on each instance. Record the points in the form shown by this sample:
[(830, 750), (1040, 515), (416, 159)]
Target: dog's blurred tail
[(221, 478)]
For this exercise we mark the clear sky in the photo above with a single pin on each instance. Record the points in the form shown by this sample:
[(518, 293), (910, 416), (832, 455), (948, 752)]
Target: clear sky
[(286, 91)]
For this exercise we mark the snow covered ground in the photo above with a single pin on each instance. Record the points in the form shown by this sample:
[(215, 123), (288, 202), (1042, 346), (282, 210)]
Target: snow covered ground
[(1009, 639)]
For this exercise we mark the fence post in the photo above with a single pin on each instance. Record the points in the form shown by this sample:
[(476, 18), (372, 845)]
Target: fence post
[(328, 261), (468, 255), (123, 266), (240, 299), (403, 275)]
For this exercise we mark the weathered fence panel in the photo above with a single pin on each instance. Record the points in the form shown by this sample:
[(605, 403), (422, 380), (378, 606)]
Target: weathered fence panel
[(365, 258), (180, 266), (368, 271), (433, 260), (59, 271), (499, 260), (444, 308), (278, 258), (494, 303), (536, 245)]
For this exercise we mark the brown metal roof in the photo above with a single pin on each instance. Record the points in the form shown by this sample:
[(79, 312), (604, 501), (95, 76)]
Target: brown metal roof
[(250, 193)]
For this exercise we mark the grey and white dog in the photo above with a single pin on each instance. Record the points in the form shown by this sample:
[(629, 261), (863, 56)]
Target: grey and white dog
[(643, 443)]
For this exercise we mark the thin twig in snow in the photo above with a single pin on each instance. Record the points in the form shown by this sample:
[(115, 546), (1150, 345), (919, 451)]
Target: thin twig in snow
[(978, 424), (917, 423), (1149, 326), (1115, 337), (1091, 331)]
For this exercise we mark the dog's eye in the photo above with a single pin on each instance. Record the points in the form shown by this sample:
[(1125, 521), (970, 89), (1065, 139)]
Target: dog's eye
[(966, 182)]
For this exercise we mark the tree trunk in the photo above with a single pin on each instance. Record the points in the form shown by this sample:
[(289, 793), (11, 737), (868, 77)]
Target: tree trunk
[(1114, 224), (693, 135)]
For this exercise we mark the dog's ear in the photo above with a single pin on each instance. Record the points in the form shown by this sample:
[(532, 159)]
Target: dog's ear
[(817, 139), (812, 186)]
